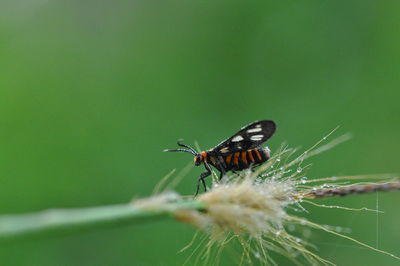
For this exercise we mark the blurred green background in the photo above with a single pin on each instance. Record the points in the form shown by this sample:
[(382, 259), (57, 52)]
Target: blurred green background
[(91, 92)]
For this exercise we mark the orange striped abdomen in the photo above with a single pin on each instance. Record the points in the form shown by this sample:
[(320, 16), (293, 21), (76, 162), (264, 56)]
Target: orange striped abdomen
[(245, 159)]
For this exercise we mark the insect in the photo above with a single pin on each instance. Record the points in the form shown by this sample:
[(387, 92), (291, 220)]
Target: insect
[(239, 152)]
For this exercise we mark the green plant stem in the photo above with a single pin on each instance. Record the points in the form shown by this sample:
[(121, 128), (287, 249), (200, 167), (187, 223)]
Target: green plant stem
[(67, 220)]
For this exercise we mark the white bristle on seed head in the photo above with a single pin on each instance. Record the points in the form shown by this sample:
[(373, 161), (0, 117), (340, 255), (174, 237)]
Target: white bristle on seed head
[(244, 206)]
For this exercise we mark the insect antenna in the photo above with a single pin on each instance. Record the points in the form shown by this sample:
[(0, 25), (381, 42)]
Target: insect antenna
[(189, 149), (186, 146), (177, 150)]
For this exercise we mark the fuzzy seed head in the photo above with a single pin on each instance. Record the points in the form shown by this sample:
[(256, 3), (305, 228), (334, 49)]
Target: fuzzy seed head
[(247, 206)]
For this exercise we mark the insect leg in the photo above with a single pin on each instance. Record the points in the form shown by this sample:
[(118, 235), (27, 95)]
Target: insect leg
[(202, 177), (223, 172), (221, 165), (201, 180)]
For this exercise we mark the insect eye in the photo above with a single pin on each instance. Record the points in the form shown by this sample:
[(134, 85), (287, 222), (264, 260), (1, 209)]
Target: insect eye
[(197, 160)]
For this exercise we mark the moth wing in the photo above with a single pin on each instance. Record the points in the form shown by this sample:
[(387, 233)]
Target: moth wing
[(248, 137)]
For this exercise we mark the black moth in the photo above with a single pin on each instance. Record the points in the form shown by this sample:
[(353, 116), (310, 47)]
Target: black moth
[(239, 152)]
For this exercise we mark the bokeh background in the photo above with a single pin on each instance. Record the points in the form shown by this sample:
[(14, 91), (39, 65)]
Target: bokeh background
[(91, 92)]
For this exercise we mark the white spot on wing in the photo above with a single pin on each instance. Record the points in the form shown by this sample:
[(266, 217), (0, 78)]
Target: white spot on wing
[(224, 150), (259, 125), (257, 137), (252, 130), (237, 138)]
